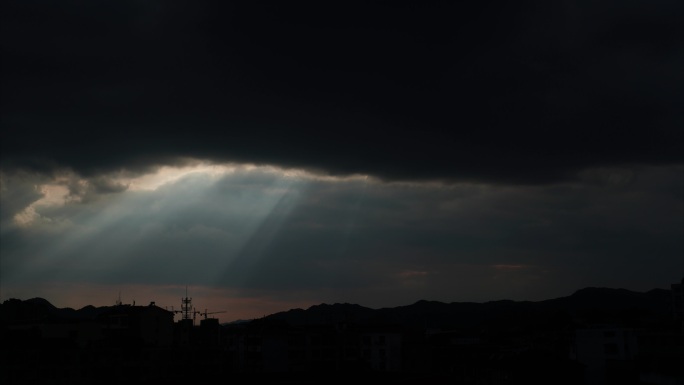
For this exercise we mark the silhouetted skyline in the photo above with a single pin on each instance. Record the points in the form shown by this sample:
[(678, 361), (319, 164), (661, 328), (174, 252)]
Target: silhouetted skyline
[(595, 336), (272, 155)]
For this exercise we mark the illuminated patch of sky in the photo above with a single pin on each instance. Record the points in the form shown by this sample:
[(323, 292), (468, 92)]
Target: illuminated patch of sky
[(288, 234)]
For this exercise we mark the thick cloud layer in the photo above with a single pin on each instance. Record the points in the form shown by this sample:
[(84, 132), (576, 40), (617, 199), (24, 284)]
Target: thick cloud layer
[(496, 91)]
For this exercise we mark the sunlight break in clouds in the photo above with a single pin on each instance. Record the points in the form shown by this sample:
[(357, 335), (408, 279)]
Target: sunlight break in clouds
[(195, 222), (64, 188), (168, 174)]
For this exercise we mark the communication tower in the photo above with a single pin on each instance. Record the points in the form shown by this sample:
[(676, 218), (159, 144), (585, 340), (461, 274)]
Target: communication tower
[(189, 313), (186, 306)]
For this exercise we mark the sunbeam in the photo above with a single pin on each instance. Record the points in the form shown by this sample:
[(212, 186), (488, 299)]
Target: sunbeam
[(247, 260)]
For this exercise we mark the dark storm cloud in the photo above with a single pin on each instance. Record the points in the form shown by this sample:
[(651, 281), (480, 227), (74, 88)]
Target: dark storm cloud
[(509, 91), (361, 241)]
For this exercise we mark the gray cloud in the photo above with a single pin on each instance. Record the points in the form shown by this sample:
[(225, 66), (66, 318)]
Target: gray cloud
[(86, 190)]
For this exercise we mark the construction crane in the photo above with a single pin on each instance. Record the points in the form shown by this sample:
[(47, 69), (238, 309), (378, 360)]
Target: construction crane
[(214, 312), (174, 311), (189, 314)]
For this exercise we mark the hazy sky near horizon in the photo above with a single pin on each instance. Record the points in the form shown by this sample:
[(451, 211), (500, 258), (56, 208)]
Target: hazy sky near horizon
[(272, 155)]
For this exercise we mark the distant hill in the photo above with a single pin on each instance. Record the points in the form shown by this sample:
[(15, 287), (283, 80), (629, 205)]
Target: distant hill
[(237, 322), (40, 309), (589, 306)]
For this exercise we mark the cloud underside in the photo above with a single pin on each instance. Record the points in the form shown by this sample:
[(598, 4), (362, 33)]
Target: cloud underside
[(510, 94), (259, 231)]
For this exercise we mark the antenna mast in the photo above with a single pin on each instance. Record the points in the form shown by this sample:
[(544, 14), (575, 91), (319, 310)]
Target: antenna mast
[(186, 306)]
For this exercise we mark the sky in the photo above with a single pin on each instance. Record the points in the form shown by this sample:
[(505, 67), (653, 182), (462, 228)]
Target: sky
[(278, 155)]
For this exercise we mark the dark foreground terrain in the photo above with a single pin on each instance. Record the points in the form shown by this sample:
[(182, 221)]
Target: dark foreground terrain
[(595, 336)]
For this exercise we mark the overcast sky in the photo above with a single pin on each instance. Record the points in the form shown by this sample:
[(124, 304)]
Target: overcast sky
[(280, 155)]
